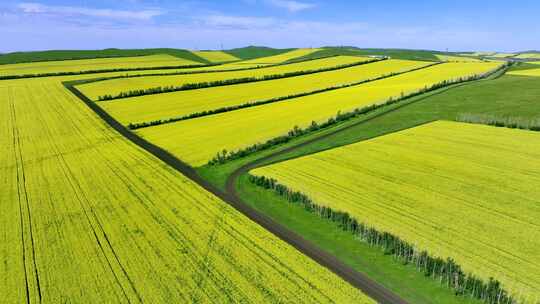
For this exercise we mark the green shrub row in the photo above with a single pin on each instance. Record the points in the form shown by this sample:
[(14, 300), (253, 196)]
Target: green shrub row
[(134, 126), (217, 83), (497, 121), (446, 271)]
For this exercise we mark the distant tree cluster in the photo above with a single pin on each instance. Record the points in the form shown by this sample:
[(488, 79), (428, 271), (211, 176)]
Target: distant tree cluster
[(447, 272)]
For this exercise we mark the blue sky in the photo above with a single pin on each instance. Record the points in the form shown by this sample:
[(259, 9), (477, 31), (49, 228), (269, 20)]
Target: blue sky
[(455, 25)]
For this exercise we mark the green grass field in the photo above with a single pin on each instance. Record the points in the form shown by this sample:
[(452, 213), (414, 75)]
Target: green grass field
[(434, 187)]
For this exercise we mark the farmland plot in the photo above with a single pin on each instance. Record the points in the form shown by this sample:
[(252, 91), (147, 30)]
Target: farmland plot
[(449, 58), (89, 217), (177, 104), (116, 86), (93, 64), (282, 57), (469, 192), (535, 72), (196, 141), (215, 56)]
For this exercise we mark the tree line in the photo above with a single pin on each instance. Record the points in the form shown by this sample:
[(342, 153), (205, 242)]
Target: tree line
[(506, 122), (217, 83), (225, 156), (134, 126), (446, 271)]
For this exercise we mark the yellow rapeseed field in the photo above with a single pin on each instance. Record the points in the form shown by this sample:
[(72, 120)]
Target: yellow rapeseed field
[(450, 58), (527, 72), (196, 141), (282, 57), (89, 217), (215, 56), (116, 86), (469, 192), (163, 106), (93, 64)]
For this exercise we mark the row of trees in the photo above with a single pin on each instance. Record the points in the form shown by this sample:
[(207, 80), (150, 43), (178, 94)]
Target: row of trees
[(498, 121), (200, 85), (446, 271), (221, 158), (251, 104), (52, 74)]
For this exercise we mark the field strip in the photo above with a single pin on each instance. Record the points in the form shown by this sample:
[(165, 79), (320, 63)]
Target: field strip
[(163, 106), (116, 86), (85, 65), (449, 58), (528, 72), (291, 55), (109, 223), (436, 164), (216, 56), (196, 141)]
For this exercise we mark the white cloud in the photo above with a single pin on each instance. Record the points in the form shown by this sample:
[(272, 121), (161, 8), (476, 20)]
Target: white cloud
[(235, 22), (291, 5), (38, 8)]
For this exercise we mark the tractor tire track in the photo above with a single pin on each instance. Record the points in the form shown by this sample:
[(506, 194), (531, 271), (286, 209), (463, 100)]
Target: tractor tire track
[(21, 183)]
